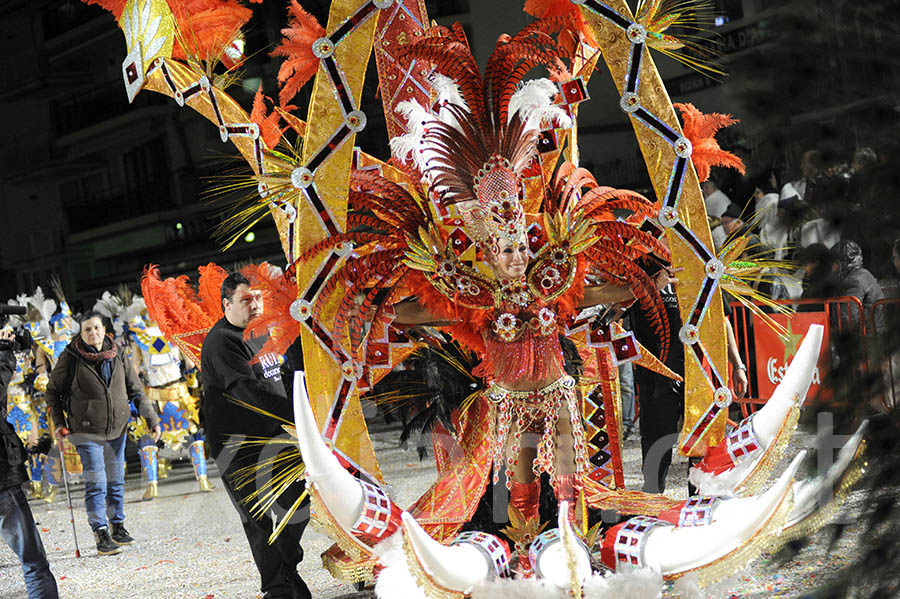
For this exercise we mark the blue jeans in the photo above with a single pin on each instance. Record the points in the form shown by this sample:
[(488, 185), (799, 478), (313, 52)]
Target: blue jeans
[(19, 532), (104, 479)]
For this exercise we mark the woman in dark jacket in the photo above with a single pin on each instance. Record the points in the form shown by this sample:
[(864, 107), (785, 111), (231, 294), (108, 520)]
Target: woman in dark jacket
[(89, 393)]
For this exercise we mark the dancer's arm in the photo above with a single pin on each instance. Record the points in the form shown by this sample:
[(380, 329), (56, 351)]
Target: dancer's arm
[(411, 313), (609, 293)]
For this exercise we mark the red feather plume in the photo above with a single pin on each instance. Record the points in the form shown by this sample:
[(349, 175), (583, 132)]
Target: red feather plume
[(300, 63), (183, 316), (207, 27), (269, 120), (278, 292), (701, 129)]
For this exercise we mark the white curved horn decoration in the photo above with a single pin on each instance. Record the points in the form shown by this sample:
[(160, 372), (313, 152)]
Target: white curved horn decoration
[(767, 423), (340, 492), (792, 389), (458, 568), (552, 564), (808, 492), (678, 549)]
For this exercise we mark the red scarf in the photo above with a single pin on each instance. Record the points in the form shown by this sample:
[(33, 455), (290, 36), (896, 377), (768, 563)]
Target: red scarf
[(92, 355)]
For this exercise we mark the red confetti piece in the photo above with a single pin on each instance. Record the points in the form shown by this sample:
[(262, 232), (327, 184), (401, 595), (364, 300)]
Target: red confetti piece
[(62, 577), (45, 530), (227, 539), (209, 596), (164, 561)]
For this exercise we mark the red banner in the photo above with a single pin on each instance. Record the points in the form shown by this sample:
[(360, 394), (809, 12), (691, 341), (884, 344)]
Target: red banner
[(774, 353)]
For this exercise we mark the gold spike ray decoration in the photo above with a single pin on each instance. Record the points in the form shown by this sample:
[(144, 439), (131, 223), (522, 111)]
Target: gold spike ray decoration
[(333, 119), (667, 154)]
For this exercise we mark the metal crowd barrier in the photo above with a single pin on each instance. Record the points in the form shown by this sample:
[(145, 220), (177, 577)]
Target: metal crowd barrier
[(841, 314)]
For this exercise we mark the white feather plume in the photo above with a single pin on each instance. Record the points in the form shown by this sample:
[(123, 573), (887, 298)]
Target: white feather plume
[(108, 305), (395, 581), (535, 101), (644, 583), (409, 146), (45, 305), (447, 91)]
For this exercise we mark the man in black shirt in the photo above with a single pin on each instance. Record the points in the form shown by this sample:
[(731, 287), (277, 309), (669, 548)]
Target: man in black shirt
[(16, 522), (229, 370), (661, 399)]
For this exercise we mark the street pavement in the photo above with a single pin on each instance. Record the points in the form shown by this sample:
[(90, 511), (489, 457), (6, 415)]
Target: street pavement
[(190, 544)]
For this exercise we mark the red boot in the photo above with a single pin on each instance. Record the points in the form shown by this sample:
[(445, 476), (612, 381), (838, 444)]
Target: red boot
[(525, 520), (566, 486)]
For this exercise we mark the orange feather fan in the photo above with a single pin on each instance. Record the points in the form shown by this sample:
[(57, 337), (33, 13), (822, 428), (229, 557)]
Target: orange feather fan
[(184, 315), (701, 130), (549, 9), (300, 63), (207, 27)]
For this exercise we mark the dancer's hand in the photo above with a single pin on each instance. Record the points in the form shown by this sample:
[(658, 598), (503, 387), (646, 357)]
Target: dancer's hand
[(739, 381), (156, 432), (666, 276)]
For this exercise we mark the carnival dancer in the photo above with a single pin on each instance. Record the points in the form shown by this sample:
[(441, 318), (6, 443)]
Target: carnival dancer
[(51, 326), (24, 419), (508, 307), (160, 366)]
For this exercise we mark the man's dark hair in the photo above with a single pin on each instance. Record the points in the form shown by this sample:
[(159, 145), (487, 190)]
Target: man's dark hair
[(230, 284)]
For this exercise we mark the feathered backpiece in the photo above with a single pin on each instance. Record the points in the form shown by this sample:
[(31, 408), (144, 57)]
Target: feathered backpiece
[(184, 315), (701, 130), (482, 133), (612, 217)]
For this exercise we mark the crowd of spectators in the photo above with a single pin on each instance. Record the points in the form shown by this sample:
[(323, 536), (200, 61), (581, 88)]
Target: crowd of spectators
[(830, 219)]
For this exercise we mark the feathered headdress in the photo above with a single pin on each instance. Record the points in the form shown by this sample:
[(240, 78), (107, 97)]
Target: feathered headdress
[(120, 308), (40, 311), (481, 134)]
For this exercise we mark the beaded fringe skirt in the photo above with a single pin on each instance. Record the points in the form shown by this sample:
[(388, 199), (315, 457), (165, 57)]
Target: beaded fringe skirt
[(536, 412)]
